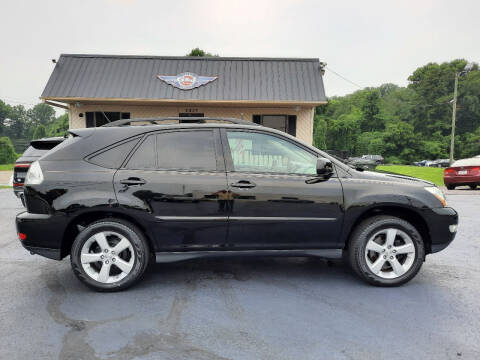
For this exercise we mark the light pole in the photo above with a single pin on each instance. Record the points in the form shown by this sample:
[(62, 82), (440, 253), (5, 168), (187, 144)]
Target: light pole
[(465, 70), (454, 114)]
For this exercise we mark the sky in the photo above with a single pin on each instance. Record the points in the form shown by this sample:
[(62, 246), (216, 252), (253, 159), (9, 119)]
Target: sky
[(367, 42)]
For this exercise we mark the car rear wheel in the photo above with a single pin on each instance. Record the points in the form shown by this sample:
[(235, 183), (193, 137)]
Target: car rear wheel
[(386, 251), (451, 187), (110, 255), (473, 186)]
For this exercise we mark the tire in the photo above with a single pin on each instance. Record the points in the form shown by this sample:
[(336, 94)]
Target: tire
[(451, 187), (473, 186), (405, 237), (123, 268)]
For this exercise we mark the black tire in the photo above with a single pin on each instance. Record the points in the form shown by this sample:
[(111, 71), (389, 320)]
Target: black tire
[(473, 186), (139, 245), (360, 237), (451, 187)]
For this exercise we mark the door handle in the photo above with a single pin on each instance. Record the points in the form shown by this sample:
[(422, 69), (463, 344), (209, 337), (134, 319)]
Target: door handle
[(133, 181), (243, 184)]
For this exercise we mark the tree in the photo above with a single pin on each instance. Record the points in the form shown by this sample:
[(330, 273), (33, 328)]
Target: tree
[(41, 114), (7, 152), (371, 120), (199, 52), (4, 112), (59, 126), (40, 132), (319, 132)]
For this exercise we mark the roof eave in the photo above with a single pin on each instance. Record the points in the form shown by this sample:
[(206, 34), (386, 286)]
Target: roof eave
[(139, 101)]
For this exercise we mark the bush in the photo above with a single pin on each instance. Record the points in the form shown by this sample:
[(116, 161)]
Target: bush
[(7, 152)]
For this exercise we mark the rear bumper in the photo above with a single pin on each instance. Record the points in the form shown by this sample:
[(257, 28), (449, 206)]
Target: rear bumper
[(442, 223), (44, 233), (461, 180)]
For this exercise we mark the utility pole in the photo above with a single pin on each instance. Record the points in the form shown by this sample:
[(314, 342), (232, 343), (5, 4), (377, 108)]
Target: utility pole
[(454, 114)]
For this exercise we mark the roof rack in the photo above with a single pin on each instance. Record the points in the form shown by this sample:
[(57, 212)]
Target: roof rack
[(199, 120)]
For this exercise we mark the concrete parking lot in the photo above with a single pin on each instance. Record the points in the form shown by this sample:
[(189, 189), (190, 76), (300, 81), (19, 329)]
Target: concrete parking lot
[(242, 309)]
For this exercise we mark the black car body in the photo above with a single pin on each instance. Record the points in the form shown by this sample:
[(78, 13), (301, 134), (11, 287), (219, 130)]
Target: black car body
[(215, 189), (35, 151)]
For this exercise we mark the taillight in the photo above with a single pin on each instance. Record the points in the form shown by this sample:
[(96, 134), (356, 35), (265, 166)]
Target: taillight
[(34, 174), (22, 236), (475, 168), (449, 171), (23, 166)]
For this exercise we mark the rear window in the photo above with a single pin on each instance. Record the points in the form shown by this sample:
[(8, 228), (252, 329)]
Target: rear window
[(113, 157), (182, 150), (32, 152)]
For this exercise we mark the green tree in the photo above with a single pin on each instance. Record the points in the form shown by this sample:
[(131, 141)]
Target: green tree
[(4, 112), (41, 114), (59, 126), (7, 152), (199, 52), (371, 120), (40, 132), (319, 132)]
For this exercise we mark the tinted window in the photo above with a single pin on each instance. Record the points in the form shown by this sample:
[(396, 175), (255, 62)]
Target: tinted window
[(144, 157), (261, 153), (113, 157), (31, 151), (186, 150)]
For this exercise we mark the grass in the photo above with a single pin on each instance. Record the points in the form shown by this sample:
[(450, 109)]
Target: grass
[(5, 187), (432, 174), (6, 167)]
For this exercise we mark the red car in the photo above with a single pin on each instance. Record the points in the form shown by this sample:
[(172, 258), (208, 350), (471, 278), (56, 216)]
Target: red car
[(463, 172)]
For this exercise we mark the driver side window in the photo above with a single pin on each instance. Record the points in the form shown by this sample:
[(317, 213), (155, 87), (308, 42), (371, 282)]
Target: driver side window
[(262, 153)]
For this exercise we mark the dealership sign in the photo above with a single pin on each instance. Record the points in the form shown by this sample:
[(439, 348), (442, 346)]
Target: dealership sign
[(186, 80)]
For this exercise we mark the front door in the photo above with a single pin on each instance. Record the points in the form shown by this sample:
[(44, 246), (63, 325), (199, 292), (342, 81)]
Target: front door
[(271, 206), (175, 181)]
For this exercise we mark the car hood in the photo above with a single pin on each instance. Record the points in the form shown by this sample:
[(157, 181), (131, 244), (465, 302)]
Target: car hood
[(393, 178)]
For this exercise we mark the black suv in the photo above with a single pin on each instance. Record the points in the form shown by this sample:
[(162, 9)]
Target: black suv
[(119, 197)]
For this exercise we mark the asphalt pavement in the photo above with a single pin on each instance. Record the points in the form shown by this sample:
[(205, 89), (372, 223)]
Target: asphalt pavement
[(263, 308)]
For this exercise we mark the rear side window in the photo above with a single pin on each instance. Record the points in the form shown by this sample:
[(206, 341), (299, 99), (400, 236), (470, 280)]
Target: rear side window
[(144, 157), (114, 156), (182, 150)]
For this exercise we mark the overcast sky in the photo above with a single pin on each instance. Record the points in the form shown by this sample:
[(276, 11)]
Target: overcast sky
[(368, 42)]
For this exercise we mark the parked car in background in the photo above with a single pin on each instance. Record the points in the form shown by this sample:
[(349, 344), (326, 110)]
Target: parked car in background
[(441, 163), (119, 197), (37, 149), (463, 172), (423, 163), (361, 163), (377, 158)]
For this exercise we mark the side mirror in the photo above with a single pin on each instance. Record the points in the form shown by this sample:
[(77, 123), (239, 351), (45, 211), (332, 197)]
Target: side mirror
[(324, 171), (324, 167)]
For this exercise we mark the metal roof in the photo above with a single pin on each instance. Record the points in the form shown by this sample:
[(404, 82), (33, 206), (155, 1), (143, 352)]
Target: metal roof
[(135, 77)]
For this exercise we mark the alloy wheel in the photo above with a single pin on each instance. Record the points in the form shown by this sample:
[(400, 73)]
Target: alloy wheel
[(107, 257), (390, 253)]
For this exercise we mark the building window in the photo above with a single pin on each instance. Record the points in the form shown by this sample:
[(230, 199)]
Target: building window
[(189, 114), (99, 118), (285, 123)]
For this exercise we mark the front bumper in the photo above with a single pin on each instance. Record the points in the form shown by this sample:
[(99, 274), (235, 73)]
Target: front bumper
[(44, 233), (441, 222)]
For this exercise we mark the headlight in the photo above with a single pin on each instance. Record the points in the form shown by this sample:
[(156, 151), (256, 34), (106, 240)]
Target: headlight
[(34, 174), (435, 191)]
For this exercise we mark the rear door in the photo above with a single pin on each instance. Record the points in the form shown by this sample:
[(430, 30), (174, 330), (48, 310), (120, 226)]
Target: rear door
[(270, 204), (173, 181)]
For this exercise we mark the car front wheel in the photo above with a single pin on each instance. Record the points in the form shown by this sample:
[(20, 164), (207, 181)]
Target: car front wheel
[(386, 251), (110, 255)]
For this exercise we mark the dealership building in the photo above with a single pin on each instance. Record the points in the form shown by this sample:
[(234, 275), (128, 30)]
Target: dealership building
[(281, 93)]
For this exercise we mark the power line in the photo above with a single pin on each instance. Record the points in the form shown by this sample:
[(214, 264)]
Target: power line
[(344, 78)]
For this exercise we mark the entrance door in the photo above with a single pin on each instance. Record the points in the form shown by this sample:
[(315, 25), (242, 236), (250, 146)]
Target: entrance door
[(273, 207), (174, 181)]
